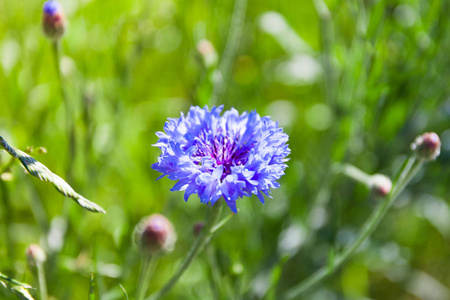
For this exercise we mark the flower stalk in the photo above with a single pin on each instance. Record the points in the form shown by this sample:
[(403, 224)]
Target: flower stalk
[(70, 130), (42, 281), (410, 168), (204, 237), (147, 267)]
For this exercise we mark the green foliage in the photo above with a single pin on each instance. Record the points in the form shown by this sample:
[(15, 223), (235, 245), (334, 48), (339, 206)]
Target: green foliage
[(352, 82)]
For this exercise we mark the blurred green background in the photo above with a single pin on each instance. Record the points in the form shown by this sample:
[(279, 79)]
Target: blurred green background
[(350, 81)]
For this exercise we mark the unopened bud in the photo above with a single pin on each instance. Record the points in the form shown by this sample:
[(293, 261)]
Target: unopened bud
[(6, 176), (154, 234), (380, 184), (198, 228), (53, 20), (207, 52), (42, 150), (427, 146), (35, 255)]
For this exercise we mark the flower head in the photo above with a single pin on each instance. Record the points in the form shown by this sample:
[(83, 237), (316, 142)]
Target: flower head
[(35, 255), (229, 156), (155, 233), (427, 146), (53, 20)]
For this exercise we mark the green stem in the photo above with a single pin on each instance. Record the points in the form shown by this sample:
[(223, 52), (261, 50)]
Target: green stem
[(147, 266), (231, 49), (42, 282), (70, 130), (204, 237), (8, 213), (407, 173), (214, 272)]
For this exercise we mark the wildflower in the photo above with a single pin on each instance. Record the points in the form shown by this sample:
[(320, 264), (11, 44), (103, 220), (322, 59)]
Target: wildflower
[(427, 146), (227, 156), (53, 20), (155, 233), (35, 255)]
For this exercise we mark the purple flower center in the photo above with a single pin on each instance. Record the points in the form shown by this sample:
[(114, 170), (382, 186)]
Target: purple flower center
[(222, 149)]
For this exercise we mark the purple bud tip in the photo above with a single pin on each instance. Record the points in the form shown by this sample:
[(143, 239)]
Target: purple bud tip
[(198, 228), (51, 7)]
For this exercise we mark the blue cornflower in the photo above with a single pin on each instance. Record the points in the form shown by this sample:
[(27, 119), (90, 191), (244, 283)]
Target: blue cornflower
[(53, 20), (51, 7), (227, 156)]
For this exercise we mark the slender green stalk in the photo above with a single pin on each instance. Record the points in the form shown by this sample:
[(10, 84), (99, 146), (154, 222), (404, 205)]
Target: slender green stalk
[(70, 130), (407, 173), (204, 237), (326, 32), (231, 49), (42, 281), (147, 267), (7, 216), (214, 272)]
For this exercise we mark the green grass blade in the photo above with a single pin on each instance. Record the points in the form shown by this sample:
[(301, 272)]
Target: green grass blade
[(18, 288), (40, 171)]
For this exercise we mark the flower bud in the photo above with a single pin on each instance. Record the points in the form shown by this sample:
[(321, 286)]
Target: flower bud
[(207, 53), (380, 184), (155, 233), (198, 228), (35, 255), (53, 20), (427, 146)]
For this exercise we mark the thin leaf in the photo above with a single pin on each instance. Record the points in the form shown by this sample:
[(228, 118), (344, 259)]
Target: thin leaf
[(21, 292), (40, 171), (16, 287), (124, 291), (8, 280)]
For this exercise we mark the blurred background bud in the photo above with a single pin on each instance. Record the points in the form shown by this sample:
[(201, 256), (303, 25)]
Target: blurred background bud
[(198, 228), (380, 184), (427, 146), (6, 176), (53, 20), (207, 53), (155, 233), (35, 255)]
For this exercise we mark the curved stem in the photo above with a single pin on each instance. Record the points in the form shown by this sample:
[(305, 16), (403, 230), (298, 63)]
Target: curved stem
[(407, 173), (204, 237)]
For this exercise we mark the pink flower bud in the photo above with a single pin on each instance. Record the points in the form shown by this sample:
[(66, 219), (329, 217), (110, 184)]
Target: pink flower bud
[(207, 53), (155, 233), (427, 146), (380, 184), (35, 255), (53, 20)]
